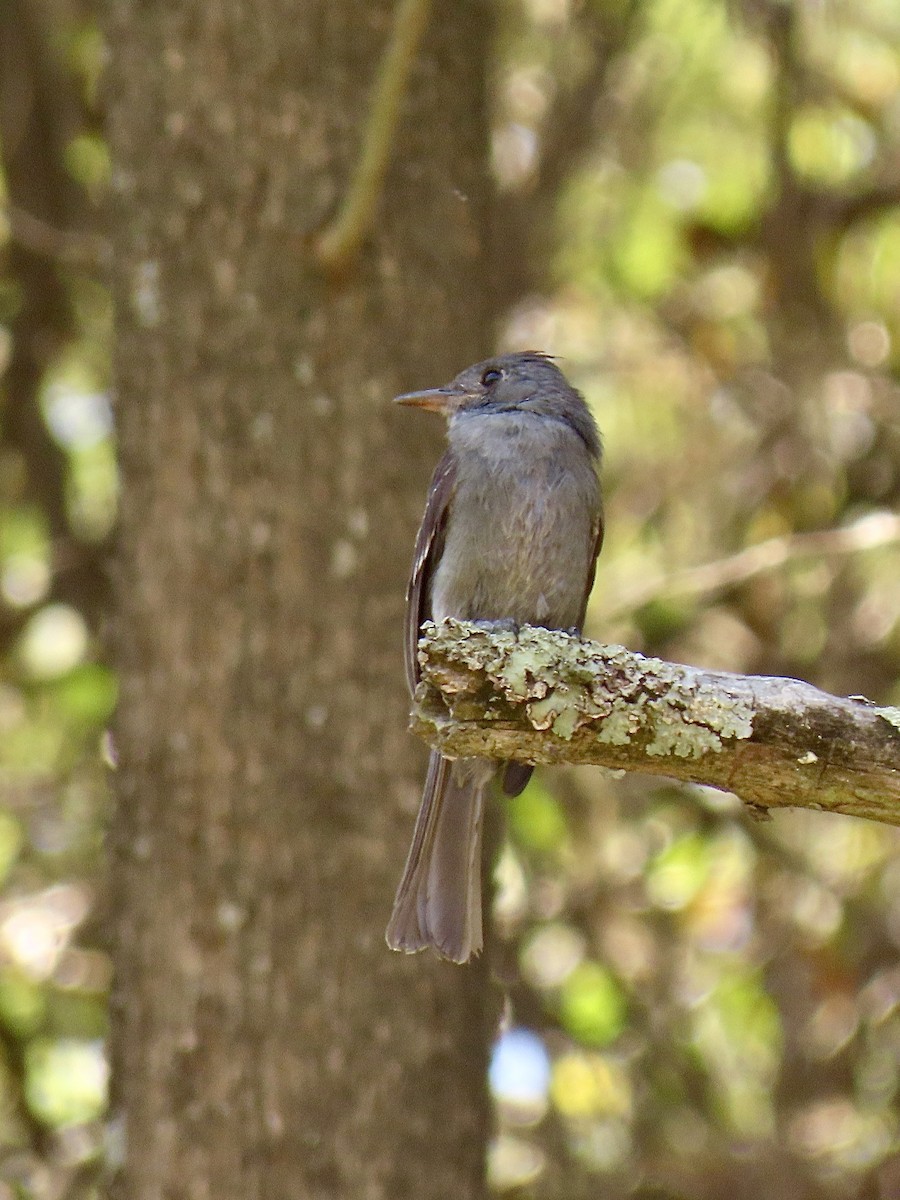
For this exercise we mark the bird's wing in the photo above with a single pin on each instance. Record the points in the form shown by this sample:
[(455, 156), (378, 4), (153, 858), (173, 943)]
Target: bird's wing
[(592, 568), (429, 544)]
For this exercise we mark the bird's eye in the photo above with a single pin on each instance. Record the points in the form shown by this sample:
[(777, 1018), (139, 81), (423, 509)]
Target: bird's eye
[(490, 376)]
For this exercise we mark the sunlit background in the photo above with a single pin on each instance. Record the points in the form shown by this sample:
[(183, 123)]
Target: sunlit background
[(694, 1001)]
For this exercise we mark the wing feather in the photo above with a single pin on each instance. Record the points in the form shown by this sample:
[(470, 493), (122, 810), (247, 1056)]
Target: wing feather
[(592, 569), (429, 544)]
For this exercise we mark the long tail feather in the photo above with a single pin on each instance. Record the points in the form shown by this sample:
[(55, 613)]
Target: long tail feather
[(438, 903)]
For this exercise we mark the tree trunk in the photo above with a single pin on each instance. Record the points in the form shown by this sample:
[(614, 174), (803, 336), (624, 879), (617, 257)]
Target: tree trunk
[(266, 1043)]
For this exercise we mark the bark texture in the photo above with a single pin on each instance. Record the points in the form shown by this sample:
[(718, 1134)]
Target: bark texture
[(266, 1043), (543, 696)]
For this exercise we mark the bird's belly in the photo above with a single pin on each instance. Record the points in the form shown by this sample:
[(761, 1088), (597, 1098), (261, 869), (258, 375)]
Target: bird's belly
[(521, 554)]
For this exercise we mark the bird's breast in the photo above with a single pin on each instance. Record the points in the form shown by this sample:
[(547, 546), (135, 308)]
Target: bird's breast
[(521, 528)]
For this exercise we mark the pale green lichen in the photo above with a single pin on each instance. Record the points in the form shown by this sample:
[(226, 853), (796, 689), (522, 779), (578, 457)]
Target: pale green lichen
[(728, 716), (891, 715), (565, 723), (619, 728), (524, 669), (673, 735), (623, 695), (542, 713), (562, 709), (690, 723), (519, 663)]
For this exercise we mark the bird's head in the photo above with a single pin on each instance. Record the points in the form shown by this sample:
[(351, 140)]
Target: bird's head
[(525, 382)]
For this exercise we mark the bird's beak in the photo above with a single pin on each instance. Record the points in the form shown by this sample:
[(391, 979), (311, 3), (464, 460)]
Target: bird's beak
[(445, 400)]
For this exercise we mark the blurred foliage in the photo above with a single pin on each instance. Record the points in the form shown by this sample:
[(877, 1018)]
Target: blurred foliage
[(701, 207), (57, 510)]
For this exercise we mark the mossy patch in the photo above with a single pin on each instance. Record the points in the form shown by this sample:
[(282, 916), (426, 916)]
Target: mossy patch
[(566, 683)]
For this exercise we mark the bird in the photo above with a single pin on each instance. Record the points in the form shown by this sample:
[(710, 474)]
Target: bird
[(512, 529)]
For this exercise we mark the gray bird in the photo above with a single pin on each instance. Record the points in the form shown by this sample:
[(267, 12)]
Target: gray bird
[(511, 533)]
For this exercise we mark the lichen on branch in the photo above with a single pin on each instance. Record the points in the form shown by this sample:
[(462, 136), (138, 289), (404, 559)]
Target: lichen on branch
[(541, 695)]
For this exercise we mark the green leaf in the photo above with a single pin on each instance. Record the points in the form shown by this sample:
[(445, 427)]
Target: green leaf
[(10, 842), (592, 1005), (23, 1002), (536, 820), (86, 694), (678, 873), (65, 1081)]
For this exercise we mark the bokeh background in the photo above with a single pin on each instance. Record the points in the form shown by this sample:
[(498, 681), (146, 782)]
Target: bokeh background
[(690, 995)]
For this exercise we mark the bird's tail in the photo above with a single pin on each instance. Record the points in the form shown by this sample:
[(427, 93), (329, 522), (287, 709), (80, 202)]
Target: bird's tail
[(438, 902)]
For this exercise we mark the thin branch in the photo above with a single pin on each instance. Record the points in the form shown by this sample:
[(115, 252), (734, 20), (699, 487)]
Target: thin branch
[(840, 211), (337, 245), (571, 124), (870, 532), (782, 28), (72, 249), (543, 696), (523, 224)]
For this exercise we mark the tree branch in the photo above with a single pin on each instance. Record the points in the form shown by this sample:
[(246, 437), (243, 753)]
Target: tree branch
[(840, 211), (524, 224), (71, 248), (544, 696), (337, 245), (874, 530)]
